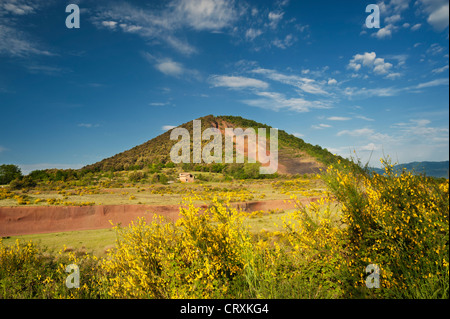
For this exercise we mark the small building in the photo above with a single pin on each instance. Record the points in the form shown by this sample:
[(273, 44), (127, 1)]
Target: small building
[(186, 177)]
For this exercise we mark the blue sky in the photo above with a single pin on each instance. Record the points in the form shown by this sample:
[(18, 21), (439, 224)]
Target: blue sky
[(71, 97)]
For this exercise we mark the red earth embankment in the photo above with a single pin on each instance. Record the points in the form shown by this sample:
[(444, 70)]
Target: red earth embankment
[(48, 219)]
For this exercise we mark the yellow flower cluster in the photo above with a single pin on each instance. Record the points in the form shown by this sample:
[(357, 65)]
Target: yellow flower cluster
[(5, 193), (300, 186), (57, 201), (192, 258), (208, 194)]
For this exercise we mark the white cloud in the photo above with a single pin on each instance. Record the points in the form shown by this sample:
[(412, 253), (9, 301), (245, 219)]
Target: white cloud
[(338, 118), (437, 82), (296, 134), (393, 19), (384, 33), (161, 25), (17, 43), (88, 125), (416, 27), (170, 67), (284, 43), (435, 49), (205, 14), (167, 127), (237, 82), (274, 18), (320, 126), (332, 81), (381, 67), (370, 147), (2, 149), (307, 85), (418, 129), (158, 103), (180, 45), (440, 70), (393, 7), (251, 34), (365, 118), (393, 76), (111, 24), (364, 92), (357, 132), (17, 8), (437, 11), (277, 101), (439, 18), (378, 65)]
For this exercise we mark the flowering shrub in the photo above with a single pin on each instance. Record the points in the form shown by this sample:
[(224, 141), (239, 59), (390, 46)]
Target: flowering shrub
[(28, 271), (196, 257), (399, 222)]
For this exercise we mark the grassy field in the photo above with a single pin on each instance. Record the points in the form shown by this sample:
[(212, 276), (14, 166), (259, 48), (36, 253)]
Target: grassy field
[(107, 192), (98, 241), (95, 241)]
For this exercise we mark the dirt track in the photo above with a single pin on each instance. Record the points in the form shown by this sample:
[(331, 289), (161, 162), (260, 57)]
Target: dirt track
[(48, 219)]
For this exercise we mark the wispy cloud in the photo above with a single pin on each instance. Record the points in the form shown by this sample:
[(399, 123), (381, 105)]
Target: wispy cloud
[(320, 126), (284, 43), (159, 103), (17, 7), (420, 128), (169, 67), (437, 82), (365, 118), (305, 84), (278, 101), (88, 125), (365, 92), (357, 132), (162, 23), (338, 118), (275, 18), (13, 41), (385, 32), (441, 69), (252, 33), (237, 82), (46, 69)]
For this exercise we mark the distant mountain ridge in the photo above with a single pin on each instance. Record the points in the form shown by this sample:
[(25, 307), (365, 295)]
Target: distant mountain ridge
[(429, 168), (295, 156)]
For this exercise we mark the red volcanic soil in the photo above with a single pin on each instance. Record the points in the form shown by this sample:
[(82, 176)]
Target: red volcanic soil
[(48, 219)]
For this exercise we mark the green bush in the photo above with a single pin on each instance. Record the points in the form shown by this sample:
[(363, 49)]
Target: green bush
[(8, 173)]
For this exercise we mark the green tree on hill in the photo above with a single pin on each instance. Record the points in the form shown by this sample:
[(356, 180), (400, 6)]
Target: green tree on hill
[(9, 172)]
